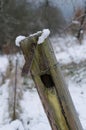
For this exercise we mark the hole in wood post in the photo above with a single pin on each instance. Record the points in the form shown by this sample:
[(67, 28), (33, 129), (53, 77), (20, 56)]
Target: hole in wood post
[(47, 80)]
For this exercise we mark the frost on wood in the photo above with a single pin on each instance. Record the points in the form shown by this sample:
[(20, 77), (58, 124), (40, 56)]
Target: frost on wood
[(19, 39), (45, 34)]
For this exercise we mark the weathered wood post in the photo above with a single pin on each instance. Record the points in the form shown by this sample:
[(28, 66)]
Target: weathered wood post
[(50, 84)]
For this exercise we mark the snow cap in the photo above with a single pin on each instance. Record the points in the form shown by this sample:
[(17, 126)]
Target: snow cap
[(34, 34), (44, 35), (19, 39)]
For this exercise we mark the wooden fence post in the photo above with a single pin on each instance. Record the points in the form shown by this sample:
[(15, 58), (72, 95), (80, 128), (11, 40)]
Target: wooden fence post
[(50, 84)]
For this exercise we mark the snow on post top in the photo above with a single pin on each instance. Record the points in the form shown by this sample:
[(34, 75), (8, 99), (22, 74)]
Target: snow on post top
[(32, 35), (19, 39), (45, 34)]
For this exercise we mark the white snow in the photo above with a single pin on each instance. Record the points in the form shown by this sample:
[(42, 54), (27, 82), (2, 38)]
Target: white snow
[(45, 34), (75, 22), (33, 112), (78, 94), (39, 32), (3, 64), (4, 103), (81, 31), (19, 39), (68, 50), (3, 67), (14, 125)]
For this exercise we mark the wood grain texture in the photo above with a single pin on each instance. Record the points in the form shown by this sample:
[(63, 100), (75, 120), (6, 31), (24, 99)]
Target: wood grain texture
[(51, 86)]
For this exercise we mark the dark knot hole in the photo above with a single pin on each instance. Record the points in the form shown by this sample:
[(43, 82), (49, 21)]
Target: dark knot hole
[(47, 80)]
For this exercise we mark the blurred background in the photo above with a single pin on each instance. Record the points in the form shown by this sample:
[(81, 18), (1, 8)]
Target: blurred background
[(28, 16)]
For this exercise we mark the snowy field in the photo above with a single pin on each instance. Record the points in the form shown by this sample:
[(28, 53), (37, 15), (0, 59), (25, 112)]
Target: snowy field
[(71, 55)]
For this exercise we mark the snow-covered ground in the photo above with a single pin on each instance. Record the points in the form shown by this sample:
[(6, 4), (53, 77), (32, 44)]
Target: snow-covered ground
[(68, 49), (68, 52)]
